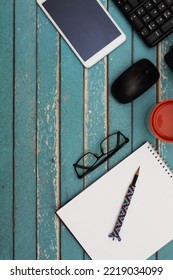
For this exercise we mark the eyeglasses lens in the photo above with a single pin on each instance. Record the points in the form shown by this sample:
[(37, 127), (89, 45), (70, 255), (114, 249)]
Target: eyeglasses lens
[(113, 141), (85, 163)]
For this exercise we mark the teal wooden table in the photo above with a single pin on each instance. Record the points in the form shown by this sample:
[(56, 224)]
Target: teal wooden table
[(51, 111)]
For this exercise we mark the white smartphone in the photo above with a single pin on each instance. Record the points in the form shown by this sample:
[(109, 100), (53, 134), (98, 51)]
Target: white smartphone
[(86, 26)]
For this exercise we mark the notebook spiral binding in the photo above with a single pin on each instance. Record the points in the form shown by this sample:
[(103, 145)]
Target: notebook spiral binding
[(160, 160)]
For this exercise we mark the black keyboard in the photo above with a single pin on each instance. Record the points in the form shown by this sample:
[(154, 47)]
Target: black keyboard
[(152, 19)]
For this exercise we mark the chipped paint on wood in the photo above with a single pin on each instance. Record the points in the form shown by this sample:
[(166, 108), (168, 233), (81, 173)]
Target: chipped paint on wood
[(47, 88)]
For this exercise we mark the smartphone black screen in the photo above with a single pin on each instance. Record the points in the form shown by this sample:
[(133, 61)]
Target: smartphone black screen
[(84, 23)]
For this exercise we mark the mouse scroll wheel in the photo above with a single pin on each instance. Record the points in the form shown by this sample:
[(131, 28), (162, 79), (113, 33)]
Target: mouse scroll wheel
[(147, 71)]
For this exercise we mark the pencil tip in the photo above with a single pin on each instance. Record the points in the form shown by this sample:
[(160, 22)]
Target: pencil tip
[(137, 172)]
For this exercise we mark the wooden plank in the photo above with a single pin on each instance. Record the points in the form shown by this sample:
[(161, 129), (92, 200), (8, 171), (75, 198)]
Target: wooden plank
[(25, 130), (6, 129), (95, 114), (71, 139), (47, 158), (166, 150)]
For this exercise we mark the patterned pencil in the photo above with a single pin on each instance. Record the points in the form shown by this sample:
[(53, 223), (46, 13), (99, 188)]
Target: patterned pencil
[(124, 208)]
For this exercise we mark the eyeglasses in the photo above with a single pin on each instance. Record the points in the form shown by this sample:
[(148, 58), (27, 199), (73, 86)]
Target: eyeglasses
[(90, 161)]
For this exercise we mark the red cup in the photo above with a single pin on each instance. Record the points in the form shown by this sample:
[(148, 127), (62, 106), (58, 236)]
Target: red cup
[(161, 121)]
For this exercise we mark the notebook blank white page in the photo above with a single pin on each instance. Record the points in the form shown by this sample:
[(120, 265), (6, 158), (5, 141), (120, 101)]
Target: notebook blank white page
[(148, 225)]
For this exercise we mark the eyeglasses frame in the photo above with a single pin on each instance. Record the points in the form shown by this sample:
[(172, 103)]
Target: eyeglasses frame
[(109, 154)]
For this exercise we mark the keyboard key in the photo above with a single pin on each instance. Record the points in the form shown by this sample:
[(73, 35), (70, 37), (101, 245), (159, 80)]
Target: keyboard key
[(154, 13), (159, 20), (153, 37), (152, 26), (161, 7), (140, 11), (167, 26), (167, 14), (136, 21), (148, 6), (120, 3), (133, 3), (144, 32), (126, 9), (169, 2), (146, 19), (156, 1)]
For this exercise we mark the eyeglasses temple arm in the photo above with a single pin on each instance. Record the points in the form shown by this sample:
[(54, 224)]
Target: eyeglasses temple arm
[(80, 166)]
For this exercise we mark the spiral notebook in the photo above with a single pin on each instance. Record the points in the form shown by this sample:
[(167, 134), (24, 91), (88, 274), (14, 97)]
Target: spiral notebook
[(148, 225)]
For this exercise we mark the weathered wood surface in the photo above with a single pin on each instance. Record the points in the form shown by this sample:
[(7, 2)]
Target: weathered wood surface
[(52, 110)]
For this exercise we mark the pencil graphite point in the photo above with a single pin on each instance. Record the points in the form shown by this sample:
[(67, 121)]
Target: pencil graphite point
[(137, 172)]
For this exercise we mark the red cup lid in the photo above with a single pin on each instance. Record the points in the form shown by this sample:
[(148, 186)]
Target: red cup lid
[(161, 120)]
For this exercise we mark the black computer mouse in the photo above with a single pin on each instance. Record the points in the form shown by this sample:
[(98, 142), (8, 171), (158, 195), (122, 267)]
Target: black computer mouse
[(135, 81)]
